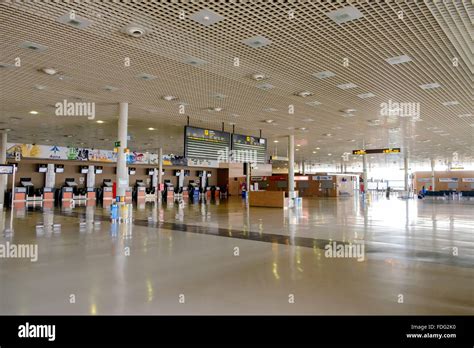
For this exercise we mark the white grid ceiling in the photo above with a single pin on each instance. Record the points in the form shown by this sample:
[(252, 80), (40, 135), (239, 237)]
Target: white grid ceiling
[(431, 34)]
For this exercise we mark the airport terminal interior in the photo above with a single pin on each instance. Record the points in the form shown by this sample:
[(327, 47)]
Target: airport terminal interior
[(236, 157)]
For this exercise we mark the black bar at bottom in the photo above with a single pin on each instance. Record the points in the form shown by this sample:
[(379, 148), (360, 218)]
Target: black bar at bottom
[(429, 331)]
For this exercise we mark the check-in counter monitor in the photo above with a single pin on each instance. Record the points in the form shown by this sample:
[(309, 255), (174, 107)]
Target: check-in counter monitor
[(26, 183)]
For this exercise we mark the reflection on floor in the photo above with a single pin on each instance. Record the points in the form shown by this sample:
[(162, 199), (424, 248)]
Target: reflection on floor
[(413, 257)]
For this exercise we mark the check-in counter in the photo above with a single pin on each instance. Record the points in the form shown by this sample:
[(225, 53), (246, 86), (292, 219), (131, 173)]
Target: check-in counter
[(107, 195), (185, 193), (91, 194), (19, 195), (272, 199), (48, 194), (128, 195), (67, 194)]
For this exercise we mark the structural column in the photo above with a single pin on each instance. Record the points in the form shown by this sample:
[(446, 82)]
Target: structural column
[(433, 181), (291, 166), (3, 160), (160, 166), (247, 178), (364, 171), (122, 173), (405, 160)]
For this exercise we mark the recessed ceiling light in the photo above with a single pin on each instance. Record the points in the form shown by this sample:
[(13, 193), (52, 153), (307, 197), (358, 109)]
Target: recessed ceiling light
[(450, 103), (398, 60), (347, 85), (430, 85), (219, 96), (76, 21), (216, 109), (259, 77), (366, 95), (348, 111), (49, 71), (169, 97), (304, 94), (34, 112), (206, 17), (347, 115), (345, 14), (308, 120), (100, 121), (268, 121), (329, 154), (257, 41), (324, 74), (135, 30), (145, 77), (33, 46), (314, 152), (297, 149), (327, 134), (265, 86), (298, 145), (68, 136), (194, 61), (318, 148), (151, 128), (302, 129)]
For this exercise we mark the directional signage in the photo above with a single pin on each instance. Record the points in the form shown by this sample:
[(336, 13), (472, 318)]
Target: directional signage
[(6, 169), (372, 151)]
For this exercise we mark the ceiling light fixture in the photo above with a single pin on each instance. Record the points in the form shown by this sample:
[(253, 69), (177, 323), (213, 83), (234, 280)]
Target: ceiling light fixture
[(304, 94), (206, 17), (135, 30), (34, 112), (100, 121), (324, 74), (74, 21), (430, 85), (151, 128), (345, 14), (258, 77), (257, 41), (169, 97), (345, 86), (450, 103), (49, 71), (366, 95)]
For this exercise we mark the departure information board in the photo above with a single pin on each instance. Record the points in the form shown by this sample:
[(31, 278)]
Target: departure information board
[(372, 151), (207, 144), (251, 147)]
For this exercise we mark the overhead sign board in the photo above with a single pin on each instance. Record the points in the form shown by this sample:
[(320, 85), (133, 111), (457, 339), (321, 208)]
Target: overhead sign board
[(372, 151), (467, 179), (249, 146), (206, 144)]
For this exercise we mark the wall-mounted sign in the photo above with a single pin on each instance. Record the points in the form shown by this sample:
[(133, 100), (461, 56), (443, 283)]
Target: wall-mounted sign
[(205, 144), (6, 169), (301, 178), (424, 180), (448, 179), (194, 162), (278, 158), (322, 177), (467, 179), (371, 151)]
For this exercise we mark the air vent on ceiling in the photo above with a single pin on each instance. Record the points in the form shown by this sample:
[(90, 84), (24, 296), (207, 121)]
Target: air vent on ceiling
[(324, 74), (6, 66), (366, 95), (145, 77), (313, 103), (74, 20), (345, 14), (450, 103), (257, 41), (206, 17), (194, 61), (265, 86), (430, 85), (33, 46), (347, 85)]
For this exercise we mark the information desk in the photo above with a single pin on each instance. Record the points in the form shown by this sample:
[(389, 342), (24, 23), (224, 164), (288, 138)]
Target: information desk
[(274, 199)]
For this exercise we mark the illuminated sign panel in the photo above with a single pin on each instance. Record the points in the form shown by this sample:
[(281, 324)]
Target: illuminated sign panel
[(372, 151), (250, 143), (207, 144)]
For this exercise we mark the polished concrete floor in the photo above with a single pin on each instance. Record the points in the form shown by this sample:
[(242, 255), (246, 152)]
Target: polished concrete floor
[(418, 259)]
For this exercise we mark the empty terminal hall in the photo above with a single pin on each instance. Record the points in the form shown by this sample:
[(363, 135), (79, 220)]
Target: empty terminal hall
[(236, 158)]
